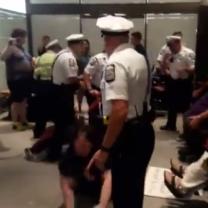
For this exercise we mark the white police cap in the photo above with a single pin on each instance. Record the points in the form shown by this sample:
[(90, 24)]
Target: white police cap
[(75, 37), (171, 38), (114, 24), (52, 43)]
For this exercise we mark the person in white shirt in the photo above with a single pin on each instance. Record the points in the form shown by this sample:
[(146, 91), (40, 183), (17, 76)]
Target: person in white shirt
[(92, 77), (165, 51), (66, 82), (179, 67), (185, 181), (129, 138), (19, 74)]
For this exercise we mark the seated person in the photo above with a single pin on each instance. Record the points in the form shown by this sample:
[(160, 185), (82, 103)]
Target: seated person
[(196, 126), (185, 181), (201, 89), (73, 175)]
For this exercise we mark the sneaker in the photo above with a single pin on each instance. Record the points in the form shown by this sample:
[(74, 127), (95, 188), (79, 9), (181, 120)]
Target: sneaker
[(27, 126), (34, 157), (62, 206), (15, 125), (167, 128), (24, 127)]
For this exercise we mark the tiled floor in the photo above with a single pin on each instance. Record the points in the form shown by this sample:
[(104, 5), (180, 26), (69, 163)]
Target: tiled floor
[(35, 185)]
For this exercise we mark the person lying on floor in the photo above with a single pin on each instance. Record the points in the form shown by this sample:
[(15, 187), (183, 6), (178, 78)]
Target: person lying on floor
[(185, 181), (196, 127), (74, 177), (39, 150)]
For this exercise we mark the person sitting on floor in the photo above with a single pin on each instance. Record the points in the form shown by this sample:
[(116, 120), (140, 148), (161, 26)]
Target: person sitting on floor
[(74, 176), (195, 129), (185, 181)]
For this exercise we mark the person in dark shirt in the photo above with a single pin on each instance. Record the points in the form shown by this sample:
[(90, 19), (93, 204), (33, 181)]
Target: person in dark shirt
[(19, 71), (74, 177), (195, 129), (42, 48), (136, 41)]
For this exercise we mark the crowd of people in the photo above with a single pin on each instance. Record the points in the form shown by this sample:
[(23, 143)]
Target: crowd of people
[(97, 156)]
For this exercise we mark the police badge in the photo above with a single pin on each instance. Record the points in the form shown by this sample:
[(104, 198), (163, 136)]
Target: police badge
[(110, 74)]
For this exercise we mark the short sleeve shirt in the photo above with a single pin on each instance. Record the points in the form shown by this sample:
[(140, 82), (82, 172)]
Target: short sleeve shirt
[(65, 67), (95, 68), (125, 78), (185, 59), (163, 52)]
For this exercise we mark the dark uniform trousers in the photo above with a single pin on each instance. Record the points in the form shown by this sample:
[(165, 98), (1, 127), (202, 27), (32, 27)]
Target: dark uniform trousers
[(95, 112), (64, 118), (43, 90), (179, 94), (130, 158)]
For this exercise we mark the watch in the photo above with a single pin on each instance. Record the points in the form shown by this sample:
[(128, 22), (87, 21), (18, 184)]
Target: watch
[(105, 149)]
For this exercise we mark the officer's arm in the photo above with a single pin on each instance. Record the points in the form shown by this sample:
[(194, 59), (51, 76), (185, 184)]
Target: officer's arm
[(89, 72), (71, 70), (87, 81), (190, 63), (116, 91), (73, 80), (118, 116)]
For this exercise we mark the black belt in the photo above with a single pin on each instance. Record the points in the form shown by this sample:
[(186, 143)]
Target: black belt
[(130, 121)]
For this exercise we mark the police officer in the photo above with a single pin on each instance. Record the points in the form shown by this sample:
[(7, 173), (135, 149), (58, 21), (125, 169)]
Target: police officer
[(164, 51), (179, 67), (129, 138), (92, 76), (65, 80), (43, 86)]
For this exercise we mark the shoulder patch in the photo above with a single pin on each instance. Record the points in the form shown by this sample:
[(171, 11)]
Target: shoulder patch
[(191, 56), (72, 62), (110, 74), (93, 61)]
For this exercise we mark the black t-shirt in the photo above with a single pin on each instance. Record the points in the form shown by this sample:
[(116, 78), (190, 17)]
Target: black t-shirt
[(140, 49), (72, 165)]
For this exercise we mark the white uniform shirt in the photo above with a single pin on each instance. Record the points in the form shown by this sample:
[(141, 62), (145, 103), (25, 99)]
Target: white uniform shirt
[(164, 51), (125, 78), (65, 67), (185, 59), (95, 68)]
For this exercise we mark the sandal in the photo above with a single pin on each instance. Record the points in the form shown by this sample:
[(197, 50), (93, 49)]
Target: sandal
[(62, 206), (177, 168), (173, 184)]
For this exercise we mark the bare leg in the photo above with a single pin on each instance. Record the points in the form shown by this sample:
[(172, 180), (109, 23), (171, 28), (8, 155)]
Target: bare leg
[(67, 191), (105, 195), (79, 99), (15, 112), (23, 111)]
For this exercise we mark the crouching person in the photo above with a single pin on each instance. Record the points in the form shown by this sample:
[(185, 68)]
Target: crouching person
[(185, 181), (73, 175)]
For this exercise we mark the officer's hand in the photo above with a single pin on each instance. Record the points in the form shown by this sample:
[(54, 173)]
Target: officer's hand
[(94, 93), (99, 159), (195, 121), (167, 72), (196, 93), (88, 175), (82, 85)]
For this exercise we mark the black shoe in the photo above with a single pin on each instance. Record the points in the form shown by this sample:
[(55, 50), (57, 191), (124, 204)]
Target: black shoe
[(167, 128)]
